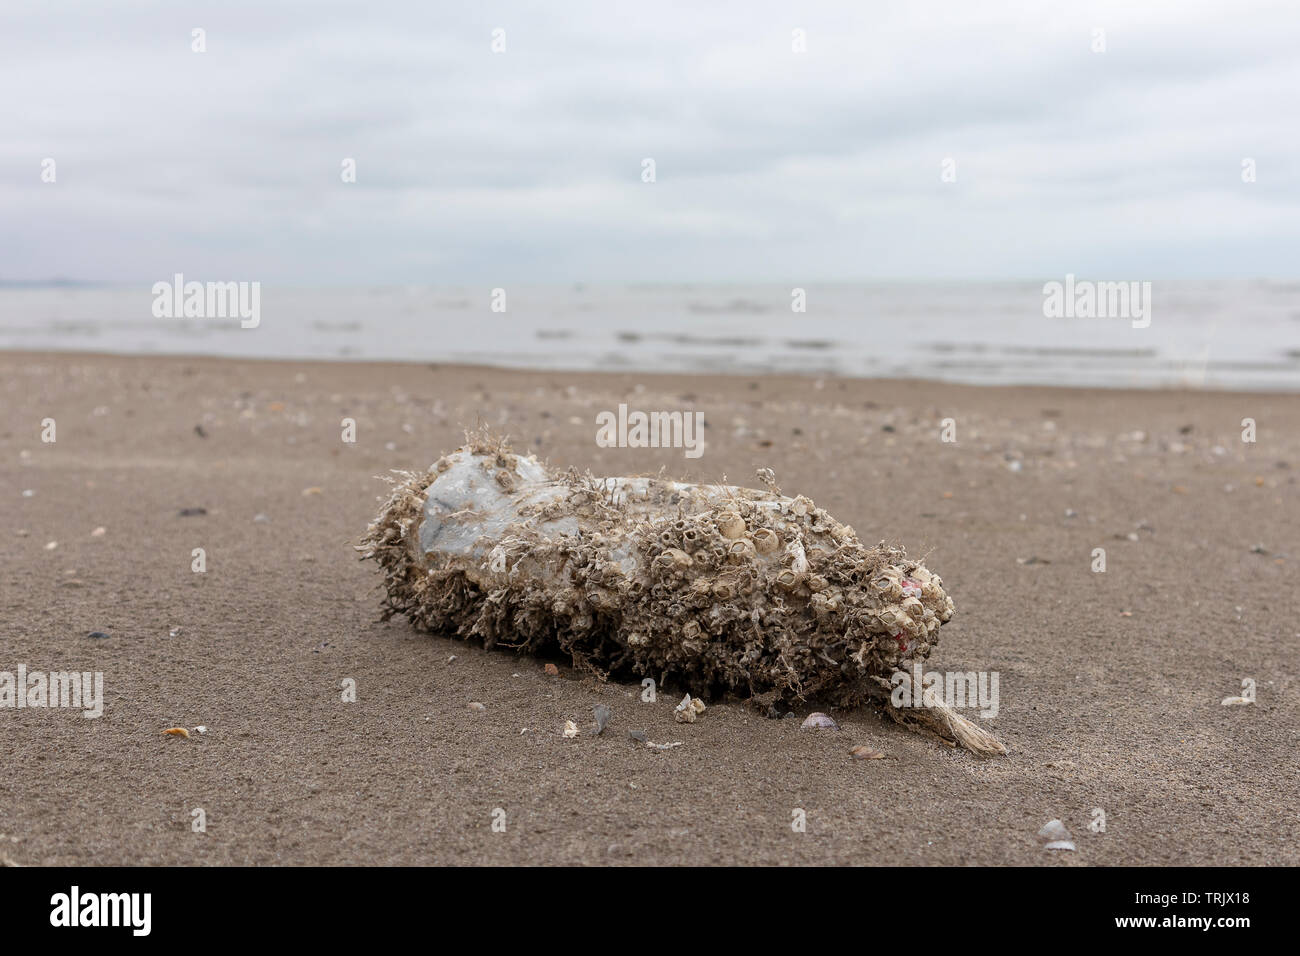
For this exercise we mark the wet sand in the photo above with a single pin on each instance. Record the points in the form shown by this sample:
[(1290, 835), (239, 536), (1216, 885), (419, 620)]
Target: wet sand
[(1110, 683)]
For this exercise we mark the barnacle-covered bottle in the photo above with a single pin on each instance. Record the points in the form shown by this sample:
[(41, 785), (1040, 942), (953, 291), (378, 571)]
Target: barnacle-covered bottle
[(713, 588)]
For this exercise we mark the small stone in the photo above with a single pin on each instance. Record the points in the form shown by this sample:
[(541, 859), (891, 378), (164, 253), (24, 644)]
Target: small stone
[(174, 632), (477, 707), (602, 715), (192, 512), (51, 545), (819, 721), (99, 532), (552, 670), (98, 635), (27, 493), (260, 518), (863, 752), (639, 735), (313, 490)]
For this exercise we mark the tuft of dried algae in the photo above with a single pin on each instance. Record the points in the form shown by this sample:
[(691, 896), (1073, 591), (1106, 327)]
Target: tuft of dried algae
[(715, 587)]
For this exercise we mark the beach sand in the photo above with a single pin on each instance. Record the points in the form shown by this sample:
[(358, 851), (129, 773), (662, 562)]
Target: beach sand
[(1110, 683)]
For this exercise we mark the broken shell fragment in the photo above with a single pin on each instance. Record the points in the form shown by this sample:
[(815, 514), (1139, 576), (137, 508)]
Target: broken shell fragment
[(686, 712), (176, 732), (570, 729), (863, 752), (717, 587)]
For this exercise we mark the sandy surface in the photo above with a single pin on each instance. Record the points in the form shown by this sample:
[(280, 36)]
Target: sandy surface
[(1110, 682)]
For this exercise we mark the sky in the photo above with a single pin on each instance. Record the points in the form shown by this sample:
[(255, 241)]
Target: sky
[(526, 165)]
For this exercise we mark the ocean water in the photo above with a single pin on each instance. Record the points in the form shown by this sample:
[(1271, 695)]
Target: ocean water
[(1219, 335)]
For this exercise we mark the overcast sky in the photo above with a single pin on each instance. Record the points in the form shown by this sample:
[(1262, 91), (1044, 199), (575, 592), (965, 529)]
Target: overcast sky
[(526, 165)]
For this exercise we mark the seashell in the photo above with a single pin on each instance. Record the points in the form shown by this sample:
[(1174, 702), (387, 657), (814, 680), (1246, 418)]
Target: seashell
[(766, 541), (789, 580), (863, 752), (600, 570), (685, 712), (730, 525), (675, 559), (742, 551), (819, 721), (1056, 835)]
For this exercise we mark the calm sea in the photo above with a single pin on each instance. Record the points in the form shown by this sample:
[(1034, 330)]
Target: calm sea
[(1238, 335)]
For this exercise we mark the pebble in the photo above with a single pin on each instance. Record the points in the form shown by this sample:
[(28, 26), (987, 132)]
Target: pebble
[(260, 518), (192, 512), (51, 545), (98, 635), (602, 715), (174, 632), (863, 752), (476, 706), (99, 532), (819, 721), (552, 670)]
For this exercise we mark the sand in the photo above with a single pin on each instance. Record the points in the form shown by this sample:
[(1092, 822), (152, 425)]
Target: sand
[(1110, 683)]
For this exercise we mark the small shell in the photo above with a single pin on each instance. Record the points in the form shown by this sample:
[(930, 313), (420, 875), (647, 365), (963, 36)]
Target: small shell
[(789, 579), (685, 712), (570, 729), (1057, 835), (742, 551), (819, 721), (730, 525), (863, 752), (674, 559)]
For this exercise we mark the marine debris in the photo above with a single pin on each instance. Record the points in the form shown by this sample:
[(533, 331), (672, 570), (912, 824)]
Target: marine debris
[(718, 588)]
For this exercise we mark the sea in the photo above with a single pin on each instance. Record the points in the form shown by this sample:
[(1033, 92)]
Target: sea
[(1238, 335)]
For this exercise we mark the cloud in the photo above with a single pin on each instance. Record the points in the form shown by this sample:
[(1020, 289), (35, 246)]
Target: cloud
[(525, 166)]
